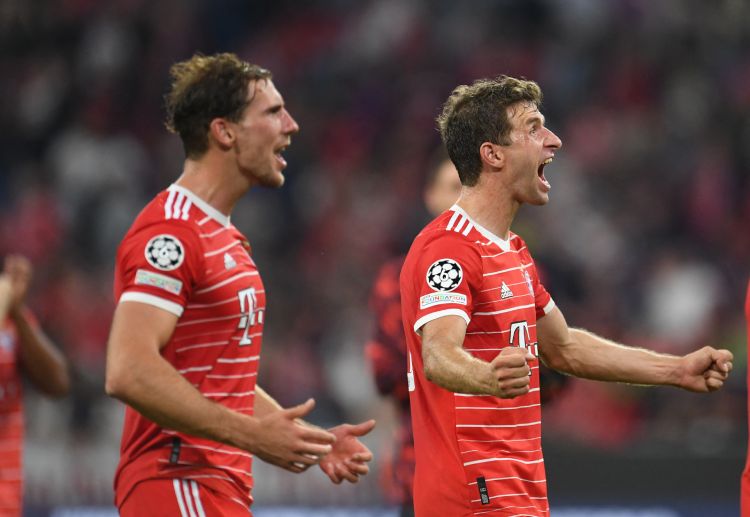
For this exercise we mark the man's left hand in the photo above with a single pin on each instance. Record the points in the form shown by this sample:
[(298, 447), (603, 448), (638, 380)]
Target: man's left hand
[(349, 457)]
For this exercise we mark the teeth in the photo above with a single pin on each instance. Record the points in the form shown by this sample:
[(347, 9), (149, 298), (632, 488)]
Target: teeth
[(547, 161)]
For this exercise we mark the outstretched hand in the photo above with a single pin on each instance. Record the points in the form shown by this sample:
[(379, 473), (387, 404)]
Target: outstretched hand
[(283, 441), (706, 369), (349, 457)]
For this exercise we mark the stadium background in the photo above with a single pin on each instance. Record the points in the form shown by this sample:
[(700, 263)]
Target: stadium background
[(646, 238)]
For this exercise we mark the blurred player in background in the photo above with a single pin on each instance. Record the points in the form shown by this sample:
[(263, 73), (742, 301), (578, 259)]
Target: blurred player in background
[(25, 351), (386, 351), (745, 481), (186, 336), (477, 319)]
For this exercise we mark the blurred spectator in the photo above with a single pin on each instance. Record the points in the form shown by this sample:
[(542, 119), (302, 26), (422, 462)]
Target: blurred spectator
[(25, 351)]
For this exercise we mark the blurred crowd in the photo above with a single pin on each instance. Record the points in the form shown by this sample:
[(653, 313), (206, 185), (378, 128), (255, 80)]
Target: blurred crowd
[(646, 238)]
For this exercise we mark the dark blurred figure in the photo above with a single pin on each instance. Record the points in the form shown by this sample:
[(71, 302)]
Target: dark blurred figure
[(745, 482), (24, 351)]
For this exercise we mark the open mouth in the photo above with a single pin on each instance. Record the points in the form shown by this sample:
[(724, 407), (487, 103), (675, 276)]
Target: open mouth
[(278, 153), (540, 173)]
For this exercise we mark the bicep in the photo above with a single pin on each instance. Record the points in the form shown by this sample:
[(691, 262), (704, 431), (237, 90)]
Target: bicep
[(553, 336), (139, 329), (442, 336)]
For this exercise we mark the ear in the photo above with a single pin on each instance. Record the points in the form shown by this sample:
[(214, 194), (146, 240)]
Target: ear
[(222, 132), (492, 155)]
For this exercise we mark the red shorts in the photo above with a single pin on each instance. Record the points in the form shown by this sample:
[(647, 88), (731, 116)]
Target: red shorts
[(179, 498)]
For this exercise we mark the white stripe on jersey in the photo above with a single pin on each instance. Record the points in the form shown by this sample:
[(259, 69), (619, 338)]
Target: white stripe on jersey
[(497, 408), (497, 441), (238, 360), (188, 499), (468, 229), (497, 254), (150, 299), (499, 426), (178, 493), (202, 345), (216, 304), (490, 460), (503, 271), (503, 310), (227, 281), (177, 205), (237, 376), (214, 449), (222, 250), (452, 221), (188, 464), (209, 476), (515, 514), (505, 451), (196, 369), (550, 305), (168, 205), (186, 210), (196, 498), (205, 320), (204, 220), (512, 477), (212, 234), (229, 394), (460, 224)]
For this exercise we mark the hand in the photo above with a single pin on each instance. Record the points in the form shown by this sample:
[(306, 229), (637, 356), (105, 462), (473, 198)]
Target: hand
[(291, 445), (18, 270), (706, 369), (510, 372), (349, 457)]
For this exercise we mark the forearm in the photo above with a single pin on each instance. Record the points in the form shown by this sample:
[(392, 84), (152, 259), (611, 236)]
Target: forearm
[(456, 370), (42, 361), (593, 357)]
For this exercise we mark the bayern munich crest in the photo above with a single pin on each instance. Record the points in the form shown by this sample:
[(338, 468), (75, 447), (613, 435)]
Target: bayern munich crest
[(165, 252), (444, 275)]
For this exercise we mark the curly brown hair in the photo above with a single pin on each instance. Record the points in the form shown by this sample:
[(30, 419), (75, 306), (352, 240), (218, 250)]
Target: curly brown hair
[(476, 114), (204, 88)]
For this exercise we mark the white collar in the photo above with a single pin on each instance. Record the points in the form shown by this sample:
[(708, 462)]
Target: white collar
[(207, 209), (504, 244)]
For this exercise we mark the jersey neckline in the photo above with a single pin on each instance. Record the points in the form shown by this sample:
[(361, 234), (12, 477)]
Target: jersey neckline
[(504, 244), (210, 211)]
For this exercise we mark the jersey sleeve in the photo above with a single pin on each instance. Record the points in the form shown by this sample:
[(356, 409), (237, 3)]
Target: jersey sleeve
[(543, 301), (447, 276), (159, 265)]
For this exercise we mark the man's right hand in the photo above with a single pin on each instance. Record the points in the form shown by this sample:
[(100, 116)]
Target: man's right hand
[(510, 372), (283, 441)]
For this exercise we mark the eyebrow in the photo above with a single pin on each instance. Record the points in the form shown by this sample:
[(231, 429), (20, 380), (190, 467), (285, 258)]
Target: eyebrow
[(534, 119)]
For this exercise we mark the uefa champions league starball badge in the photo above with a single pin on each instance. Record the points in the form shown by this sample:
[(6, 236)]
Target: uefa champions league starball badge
[(165, 252), (444, 275)]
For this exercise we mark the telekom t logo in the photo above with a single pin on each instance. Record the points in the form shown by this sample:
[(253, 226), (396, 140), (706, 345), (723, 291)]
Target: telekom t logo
[(520, 336), (249, 313)]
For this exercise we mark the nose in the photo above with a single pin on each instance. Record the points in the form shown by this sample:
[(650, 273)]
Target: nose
[(290, 125), (553, 140)]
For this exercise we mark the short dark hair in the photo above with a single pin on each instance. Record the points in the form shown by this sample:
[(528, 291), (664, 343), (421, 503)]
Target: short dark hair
[(476, 114), (204, 88)]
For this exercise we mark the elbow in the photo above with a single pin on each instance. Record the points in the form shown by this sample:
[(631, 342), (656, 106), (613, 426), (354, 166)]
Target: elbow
[(116, 383), (59, 386)]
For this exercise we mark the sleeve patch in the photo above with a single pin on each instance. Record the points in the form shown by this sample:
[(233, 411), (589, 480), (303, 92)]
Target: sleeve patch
[(444, 275), (169, 284), (432, 299), (165, 252)]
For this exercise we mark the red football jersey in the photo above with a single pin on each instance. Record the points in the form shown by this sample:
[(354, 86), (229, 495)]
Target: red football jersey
[(185, 257), (475, 454), (745, 483), (11, 423)]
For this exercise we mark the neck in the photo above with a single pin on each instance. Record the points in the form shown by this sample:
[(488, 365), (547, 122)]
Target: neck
[(489, 206), (215, 183)]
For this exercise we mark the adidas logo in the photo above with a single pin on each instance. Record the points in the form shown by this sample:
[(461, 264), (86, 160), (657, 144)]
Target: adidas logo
[(505, 291), (229, 262)]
